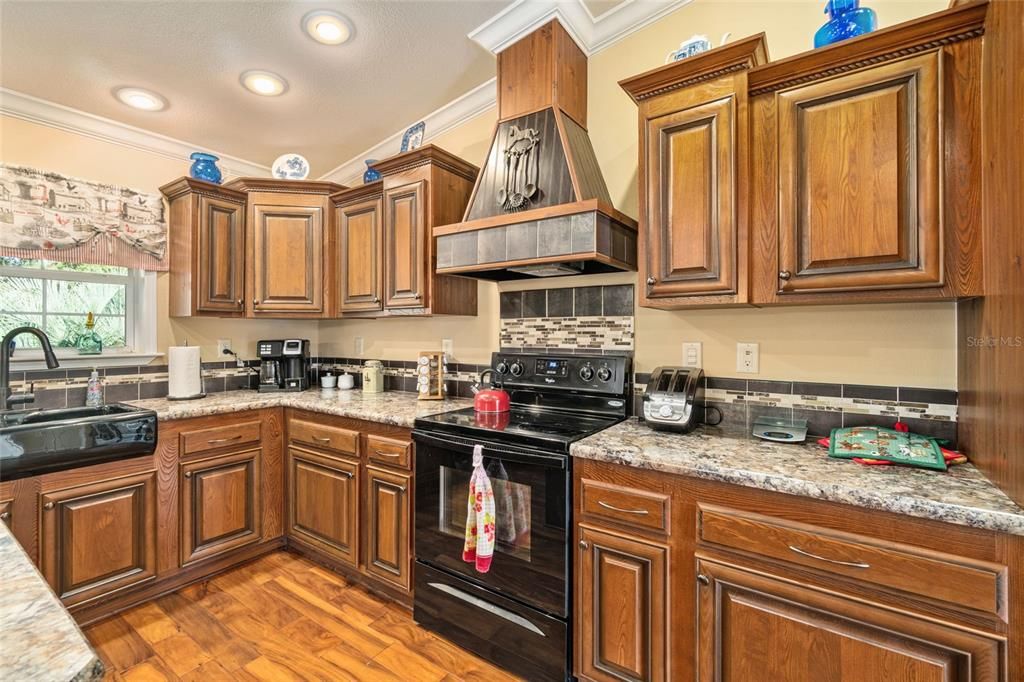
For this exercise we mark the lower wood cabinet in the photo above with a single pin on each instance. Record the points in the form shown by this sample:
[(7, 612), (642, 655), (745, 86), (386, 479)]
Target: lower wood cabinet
[(760, 627), (323, 503), (99, 537), (621, 605), (388, 516), (220, 504)]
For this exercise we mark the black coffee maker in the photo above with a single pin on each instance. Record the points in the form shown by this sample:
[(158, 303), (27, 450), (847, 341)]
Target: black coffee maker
[(283, 365)]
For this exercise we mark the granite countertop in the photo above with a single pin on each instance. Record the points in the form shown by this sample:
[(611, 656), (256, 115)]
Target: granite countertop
[(961, 495), (398, 408), (38, 638)]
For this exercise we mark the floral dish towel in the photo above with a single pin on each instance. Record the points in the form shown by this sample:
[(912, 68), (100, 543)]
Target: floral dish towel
[(479, 546)]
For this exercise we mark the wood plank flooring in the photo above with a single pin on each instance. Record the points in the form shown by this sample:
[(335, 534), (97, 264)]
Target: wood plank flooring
[(280, 617)]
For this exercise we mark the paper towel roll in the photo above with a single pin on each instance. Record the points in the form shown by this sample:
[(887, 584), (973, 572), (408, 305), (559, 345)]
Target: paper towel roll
[(184, 374)]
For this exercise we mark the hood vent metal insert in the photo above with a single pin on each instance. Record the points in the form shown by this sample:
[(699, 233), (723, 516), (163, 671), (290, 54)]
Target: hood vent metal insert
[(540, 206)]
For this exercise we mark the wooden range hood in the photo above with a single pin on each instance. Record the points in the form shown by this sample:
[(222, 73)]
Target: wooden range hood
[(540, 206)]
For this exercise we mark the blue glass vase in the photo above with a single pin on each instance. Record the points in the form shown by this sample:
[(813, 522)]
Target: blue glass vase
[(846, 20), (370, 175), (204, 167)]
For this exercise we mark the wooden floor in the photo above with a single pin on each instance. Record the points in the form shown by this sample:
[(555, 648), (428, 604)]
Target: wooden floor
[(280, 617)]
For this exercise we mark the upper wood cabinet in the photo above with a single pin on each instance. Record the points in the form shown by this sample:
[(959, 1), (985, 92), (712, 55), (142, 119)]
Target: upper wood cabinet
[(207, 249), (846, 174), (693, 199), (100, 537), (255, 247), (384, 253)]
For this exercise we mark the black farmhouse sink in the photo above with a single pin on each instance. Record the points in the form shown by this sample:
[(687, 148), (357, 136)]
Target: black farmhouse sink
[(34, 442)]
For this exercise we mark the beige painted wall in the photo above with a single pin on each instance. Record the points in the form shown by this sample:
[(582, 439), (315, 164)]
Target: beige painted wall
[(890, 344), (51, 149)]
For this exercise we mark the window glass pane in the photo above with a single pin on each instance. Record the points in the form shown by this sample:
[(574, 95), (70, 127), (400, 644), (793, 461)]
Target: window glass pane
[(22, 294), (9, 321), (11, 261), (85, 297), (64, 330), (112, 331), (82, 267)]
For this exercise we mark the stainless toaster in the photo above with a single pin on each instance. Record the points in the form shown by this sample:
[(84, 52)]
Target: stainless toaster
[(674, 397)]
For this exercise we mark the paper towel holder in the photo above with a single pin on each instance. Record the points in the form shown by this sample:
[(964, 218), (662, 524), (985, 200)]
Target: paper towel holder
[(202, 385)]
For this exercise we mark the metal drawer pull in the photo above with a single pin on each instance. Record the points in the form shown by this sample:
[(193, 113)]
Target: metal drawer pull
[(321, 439), (641, 512), (386, 454), (215, 441), (853, 564), (487, 606), (703, 579)]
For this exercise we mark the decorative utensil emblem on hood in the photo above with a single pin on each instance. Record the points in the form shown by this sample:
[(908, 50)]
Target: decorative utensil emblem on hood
[(520, 181)]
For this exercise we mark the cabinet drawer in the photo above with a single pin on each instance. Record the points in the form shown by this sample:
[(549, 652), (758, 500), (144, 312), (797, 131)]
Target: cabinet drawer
[(389, 451), (933, 575), (631, 506), (324, 437), (229, 435)]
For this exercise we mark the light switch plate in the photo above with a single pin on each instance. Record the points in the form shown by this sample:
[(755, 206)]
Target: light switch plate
[(747, 358), (359, 346), (693, 355)]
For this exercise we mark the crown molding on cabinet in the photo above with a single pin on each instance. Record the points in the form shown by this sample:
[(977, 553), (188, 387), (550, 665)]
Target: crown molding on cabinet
[(43, 112), (591, 33), (438, 122)]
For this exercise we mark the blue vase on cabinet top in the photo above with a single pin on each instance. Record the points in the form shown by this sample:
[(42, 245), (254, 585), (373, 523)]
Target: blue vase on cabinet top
[(370, 175), (847, 19), (204, 167)]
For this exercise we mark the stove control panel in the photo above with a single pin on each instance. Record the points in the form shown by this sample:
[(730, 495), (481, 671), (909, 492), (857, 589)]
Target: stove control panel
[(599, 373)]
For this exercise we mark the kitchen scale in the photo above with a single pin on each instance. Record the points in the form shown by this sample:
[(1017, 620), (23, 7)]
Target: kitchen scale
[(780, 430)]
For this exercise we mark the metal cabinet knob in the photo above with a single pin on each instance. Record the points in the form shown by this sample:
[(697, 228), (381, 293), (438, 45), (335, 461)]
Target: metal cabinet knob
[(785, 274), (584, 544), (240, 303), (48, 505), (703, 579), (4, 516), (255, 301), (376, 299), (652, 280), (188, 474)]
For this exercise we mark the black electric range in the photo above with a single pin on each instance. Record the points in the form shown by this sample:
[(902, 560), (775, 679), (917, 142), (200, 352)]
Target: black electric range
[(517, 613)]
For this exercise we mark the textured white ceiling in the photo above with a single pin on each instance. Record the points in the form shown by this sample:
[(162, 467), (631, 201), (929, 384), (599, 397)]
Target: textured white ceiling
[(407, 59)]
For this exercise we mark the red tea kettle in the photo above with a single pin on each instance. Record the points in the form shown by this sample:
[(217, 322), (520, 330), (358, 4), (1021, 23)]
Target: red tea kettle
[(493, 399)]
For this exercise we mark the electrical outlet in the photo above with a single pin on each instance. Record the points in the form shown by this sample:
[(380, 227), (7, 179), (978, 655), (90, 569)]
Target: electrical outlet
[(448, 348), (223, 345), (692, 354), (359, 346), (747, 358)]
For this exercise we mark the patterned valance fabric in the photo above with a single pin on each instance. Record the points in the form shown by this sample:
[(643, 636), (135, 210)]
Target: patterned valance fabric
[(50, 216)]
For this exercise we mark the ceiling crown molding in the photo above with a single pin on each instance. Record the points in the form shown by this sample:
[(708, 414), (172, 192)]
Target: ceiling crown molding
[(27, 108), (451, 115), (591, 33)]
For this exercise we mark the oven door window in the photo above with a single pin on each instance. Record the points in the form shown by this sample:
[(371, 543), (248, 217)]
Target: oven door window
[(531, 524)]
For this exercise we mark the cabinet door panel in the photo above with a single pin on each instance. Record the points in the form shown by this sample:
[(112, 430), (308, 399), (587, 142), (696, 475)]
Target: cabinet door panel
[(288, 259), (691, 229), (859, 180), (220, 504), (621, 608), (323, 494), (221, 255), (99, 537), (752, 626), (388, 514), (359, 256), (405, 246)]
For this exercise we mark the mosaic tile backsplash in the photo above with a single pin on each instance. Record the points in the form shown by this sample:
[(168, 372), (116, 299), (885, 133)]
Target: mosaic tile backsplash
[(579, 319)]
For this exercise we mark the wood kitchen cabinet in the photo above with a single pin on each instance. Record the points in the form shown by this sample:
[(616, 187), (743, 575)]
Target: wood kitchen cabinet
[(622, 607), (323, 502), (388, 514), (384, 252), (847, 174), (684, 578), (207, 249), (694, 146), (220, 504), (99, 537)]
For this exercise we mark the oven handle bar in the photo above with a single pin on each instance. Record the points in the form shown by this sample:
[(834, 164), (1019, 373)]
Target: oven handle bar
[(508, 453), (487, 606)]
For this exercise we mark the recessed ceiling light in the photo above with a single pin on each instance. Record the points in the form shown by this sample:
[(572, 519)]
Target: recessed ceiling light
[(264, 83), (137, 98), (327, 27)]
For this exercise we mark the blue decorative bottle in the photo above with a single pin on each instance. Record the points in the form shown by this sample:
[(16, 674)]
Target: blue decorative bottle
[(370, 175), (847, 19), (204, 167)]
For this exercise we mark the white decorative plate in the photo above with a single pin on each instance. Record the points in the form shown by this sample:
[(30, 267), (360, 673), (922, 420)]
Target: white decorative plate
[(290, 167)]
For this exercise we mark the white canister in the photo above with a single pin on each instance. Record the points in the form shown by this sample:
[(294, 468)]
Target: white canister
[(346, 381), (373, 376)]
